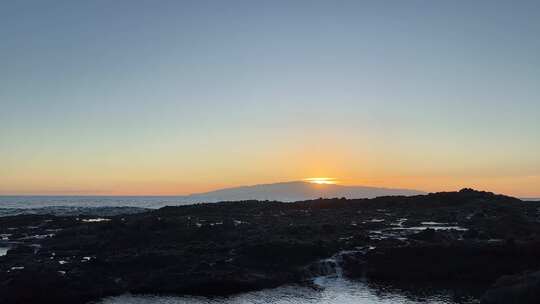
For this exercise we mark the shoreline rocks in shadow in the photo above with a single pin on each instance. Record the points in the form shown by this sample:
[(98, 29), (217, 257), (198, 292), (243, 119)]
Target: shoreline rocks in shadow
[(231, 247)]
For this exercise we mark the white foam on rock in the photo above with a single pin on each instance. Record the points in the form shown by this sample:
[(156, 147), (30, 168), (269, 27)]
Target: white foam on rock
[(95, 220)]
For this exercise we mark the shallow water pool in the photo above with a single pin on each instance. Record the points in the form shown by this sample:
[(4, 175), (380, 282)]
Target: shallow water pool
[(333, 291)]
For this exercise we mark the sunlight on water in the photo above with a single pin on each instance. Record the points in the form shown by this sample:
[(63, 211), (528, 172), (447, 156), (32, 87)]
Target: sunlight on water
[(335, 291)]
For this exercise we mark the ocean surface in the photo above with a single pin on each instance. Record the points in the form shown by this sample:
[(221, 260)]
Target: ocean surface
[(332, 291), (32, 202), (153, 202), (85, 205), (92, 205)]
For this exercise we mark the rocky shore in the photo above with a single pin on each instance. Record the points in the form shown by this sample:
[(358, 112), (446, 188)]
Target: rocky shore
[(223, 248)]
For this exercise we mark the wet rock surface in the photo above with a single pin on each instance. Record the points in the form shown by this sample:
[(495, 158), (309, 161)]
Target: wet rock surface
[(522, 288), (229, 247)]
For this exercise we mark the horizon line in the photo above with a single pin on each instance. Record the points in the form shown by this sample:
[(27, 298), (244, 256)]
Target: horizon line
[(423, 192)]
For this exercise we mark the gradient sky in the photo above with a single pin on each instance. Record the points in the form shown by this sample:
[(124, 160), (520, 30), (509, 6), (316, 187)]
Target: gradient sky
[(175, 97)]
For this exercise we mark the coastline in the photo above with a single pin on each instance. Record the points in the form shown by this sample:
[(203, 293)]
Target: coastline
[(234, 247)]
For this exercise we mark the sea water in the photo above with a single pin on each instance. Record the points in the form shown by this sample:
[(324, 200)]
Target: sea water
[(32, 202), (85, 205), (331, 291)]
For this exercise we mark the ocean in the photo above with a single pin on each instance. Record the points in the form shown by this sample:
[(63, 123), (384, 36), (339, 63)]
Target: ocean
[(32, 202), (333, 290), (85, 205), (92, 205), (149, 202)]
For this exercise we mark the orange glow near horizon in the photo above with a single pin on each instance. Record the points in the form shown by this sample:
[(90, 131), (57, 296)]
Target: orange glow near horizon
[(321, 180), (515, 186), (162, 172)]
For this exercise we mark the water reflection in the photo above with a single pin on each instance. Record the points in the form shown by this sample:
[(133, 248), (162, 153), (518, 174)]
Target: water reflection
[(3, 250), (333, 291)]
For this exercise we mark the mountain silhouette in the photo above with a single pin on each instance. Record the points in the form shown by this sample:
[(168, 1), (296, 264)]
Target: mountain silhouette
[(295, 191)]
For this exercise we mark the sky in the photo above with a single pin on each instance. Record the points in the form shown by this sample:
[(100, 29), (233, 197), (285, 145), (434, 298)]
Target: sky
[(175, 97)]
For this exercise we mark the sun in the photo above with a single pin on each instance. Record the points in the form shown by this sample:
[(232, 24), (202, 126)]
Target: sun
[(321, 180)]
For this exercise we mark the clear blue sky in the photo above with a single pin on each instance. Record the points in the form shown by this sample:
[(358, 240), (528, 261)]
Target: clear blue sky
[(182, 96)]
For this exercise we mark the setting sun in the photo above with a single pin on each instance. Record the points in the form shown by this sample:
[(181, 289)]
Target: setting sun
[(321, 180)]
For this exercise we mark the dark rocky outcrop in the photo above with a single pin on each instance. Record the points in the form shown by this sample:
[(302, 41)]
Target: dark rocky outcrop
[(457, 261), (229, 247), (523, 288)]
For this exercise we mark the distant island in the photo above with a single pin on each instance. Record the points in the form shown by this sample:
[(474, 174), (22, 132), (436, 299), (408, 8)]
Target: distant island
[(295, 191)]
